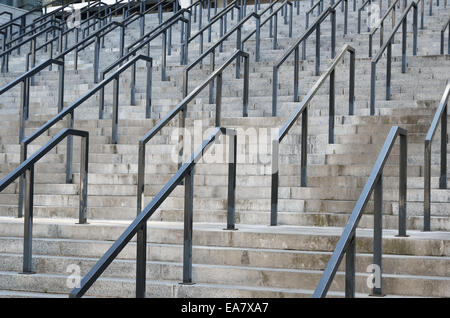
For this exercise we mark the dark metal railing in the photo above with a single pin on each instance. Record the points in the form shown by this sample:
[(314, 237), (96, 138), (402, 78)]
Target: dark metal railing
[(211, 51), (139, 226), (25, 80), (32, 39), (380, 25), (347, 242), (27, 168), (361, 8), (444, 27), (222, 17), (295, 48), (302, 110), (181, 108), (146, 41), (388, 46), (440, 116), (69, 111)]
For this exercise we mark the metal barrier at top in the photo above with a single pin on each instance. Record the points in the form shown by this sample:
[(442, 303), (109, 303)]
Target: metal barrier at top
[(347, 242)]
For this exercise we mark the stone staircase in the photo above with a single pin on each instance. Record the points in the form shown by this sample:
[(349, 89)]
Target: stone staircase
[(256, 260)]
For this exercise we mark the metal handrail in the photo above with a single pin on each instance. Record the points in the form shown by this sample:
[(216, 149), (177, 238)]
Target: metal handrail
[(211, 50), (69, 111), (388, 46), (27, 168), (315, 27), (442, 37), (139, 226), (302, 110), (181, 107), (146, 41), (230, 7), (51, 21), (380, 25), (268, 19), (359, 15), (25, 80), (347, 241), (319, 5), (23, 16), (439, 116)]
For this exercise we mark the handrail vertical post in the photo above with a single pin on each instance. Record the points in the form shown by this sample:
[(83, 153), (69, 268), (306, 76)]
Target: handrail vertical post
[(188, 220), (28, 222), (414, 30), (442, 41), (443, 163), (350, 264), (218, 99), (304, 149), (69, 149), (388, 71), (333, 34), (238, 47), (372, 87), (163, 56), (359, 21), (84, 164), (258, 39), (211, 84), (318, 50), (274, 183), (148, 97), (404, 24), (141, 261), (221, 34), (296, 74), (274, 91), (370, 44), (290, 20), (377, 233), (427, 187), (96, 58), (22, 189), (402, 185), (75, 55), (246, 86), (33, 57), (275, 32), (351, 90), (232, 161), (115, 111), (331, 108), (345, 16), (133, 85)]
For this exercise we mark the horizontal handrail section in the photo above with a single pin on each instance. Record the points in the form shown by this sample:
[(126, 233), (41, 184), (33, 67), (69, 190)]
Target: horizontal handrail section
[(387, 46), (138, 227), (27, 168), (302, 110), (439, 116), (347, 242)]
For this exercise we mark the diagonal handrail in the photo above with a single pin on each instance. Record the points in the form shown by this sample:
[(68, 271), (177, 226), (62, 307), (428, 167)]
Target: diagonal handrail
[(69, 112), (295, 48), (302, 110), (347, 242), (139, 226), (380, 25), (27, 168), (444, 27), (387, 46), (439, 116)]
